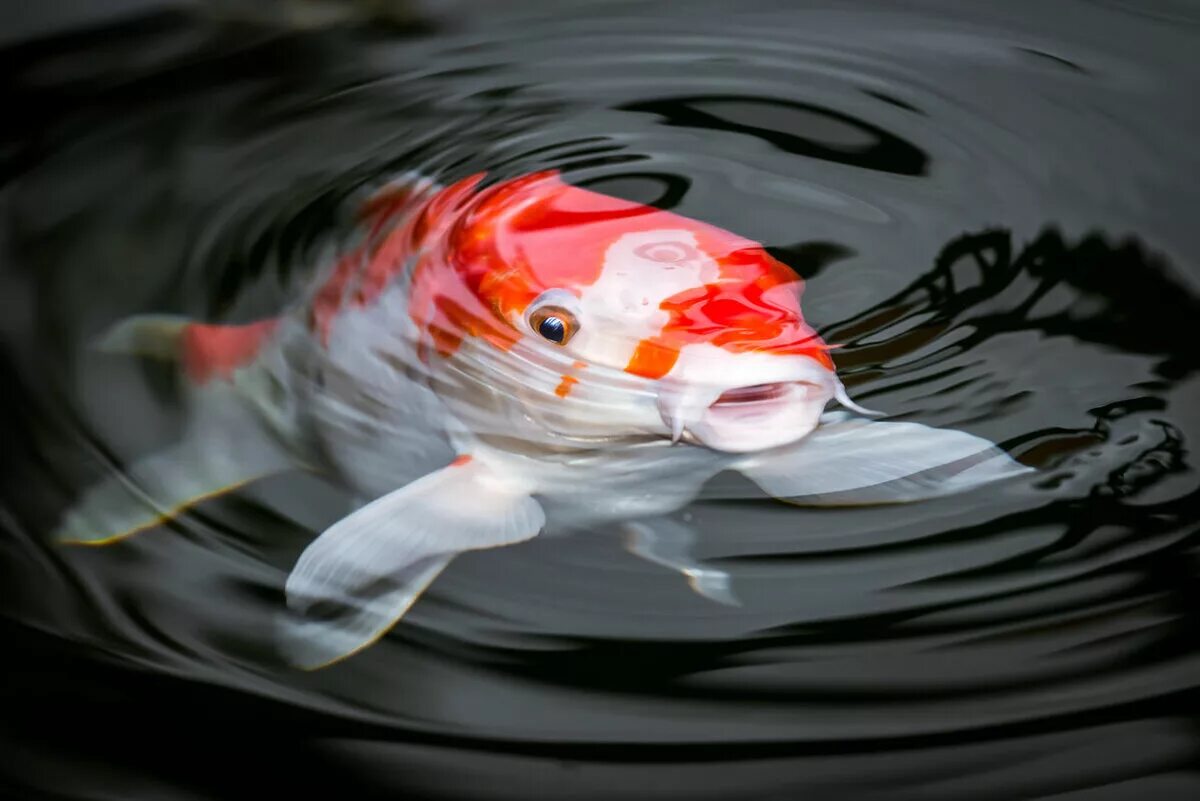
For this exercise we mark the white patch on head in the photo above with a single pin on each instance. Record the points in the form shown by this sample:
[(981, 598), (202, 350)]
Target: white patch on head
[(640, 271)]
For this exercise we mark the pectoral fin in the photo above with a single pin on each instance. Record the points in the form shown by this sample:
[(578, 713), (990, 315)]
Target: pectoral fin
[(851, 460), (363, 573), (670, 544)]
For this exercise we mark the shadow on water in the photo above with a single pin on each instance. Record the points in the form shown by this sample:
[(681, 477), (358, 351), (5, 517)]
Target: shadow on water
[(1119, 296)]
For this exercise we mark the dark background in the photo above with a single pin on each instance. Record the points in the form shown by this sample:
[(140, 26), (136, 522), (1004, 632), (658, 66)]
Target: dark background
[(1018, 175)]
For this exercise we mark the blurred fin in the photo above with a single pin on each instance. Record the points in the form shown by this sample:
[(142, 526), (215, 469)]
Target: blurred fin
[(362, 574), (850, 460), (205, 351), (156, 336), (670, 544), (223, 449)]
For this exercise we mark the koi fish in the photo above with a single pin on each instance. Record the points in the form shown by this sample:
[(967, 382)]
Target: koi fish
[(489, 361)]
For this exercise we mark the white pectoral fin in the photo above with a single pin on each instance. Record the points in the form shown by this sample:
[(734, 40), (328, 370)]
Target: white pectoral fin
[(851, 460), (363, 573), (670, 544)]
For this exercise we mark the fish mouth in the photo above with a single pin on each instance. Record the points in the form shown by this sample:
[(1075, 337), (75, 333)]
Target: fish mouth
[(747, 418), (747, 402), (740, 397), (750, 412)]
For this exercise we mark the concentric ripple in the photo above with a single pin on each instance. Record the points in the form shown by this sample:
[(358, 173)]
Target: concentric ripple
[(991, 209)]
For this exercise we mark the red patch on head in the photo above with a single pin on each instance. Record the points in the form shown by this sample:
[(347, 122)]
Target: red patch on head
[(753, 306), (486, 254)]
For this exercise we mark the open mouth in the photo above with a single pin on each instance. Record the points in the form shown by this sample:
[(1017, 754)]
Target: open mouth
[(758, 416), (758, 399), (757, 393), (753, 416)]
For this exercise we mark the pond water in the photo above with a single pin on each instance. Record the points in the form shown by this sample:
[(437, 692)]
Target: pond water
[(994, 208)]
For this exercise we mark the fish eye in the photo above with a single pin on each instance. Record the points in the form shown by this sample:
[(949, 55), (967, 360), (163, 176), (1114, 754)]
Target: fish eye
[(554, 323)]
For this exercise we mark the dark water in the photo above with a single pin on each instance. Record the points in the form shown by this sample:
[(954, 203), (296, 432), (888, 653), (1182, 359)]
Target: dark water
[(995, 205)]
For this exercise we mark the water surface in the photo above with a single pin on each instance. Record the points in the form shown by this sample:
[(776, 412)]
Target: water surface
[(994, 206)]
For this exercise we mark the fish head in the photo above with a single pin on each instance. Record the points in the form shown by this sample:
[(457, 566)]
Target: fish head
[(704, 325)]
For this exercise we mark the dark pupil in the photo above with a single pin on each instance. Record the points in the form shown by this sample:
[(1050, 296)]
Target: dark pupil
[(552, 329)]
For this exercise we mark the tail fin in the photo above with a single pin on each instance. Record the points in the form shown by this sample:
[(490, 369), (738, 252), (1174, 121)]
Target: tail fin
[(156, 336), (225, 444), (204, 351)]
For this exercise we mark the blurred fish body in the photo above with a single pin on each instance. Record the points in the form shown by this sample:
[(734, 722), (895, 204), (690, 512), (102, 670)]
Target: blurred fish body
[(491, 357)]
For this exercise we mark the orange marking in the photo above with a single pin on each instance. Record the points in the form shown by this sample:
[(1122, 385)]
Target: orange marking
[(653, 358), (374, 264), (459, 461), (564, 387)]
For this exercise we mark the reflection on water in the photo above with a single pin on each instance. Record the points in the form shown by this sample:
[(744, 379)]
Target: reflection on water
[(991, 209)]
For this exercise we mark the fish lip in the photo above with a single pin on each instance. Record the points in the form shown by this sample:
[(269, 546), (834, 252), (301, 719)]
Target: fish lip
[(683, 411), (777, 400), (747, 418), (759, 404), (755, 394)]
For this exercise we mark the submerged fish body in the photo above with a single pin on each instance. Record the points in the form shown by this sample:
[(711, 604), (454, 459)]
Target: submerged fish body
[(491, 360)]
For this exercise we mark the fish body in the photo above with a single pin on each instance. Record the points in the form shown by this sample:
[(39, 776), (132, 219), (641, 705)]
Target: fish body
[(447, 291), (490, 361)]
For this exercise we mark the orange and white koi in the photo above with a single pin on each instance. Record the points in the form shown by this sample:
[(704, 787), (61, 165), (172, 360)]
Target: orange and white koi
[(493, 357)]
